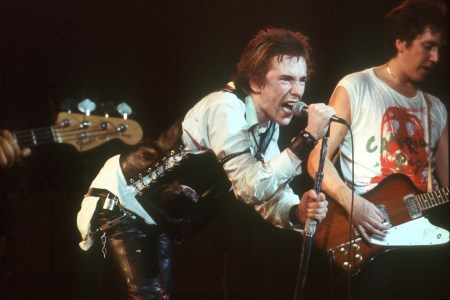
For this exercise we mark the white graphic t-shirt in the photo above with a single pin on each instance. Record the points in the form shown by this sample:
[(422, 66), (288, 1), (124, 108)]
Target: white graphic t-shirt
[(390, 132)]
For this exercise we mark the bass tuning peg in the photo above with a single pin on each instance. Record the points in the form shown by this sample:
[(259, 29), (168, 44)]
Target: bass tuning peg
[(68, 104), (124, 109), (107, 108), (86, 106)]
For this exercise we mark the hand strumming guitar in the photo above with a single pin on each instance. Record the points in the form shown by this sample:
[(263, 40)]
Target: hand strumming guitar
[(367, 218)]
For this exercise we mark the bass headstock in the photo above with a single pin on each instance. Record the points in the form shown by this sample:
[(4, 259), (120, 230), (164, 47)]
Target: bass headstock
[(85, 131)]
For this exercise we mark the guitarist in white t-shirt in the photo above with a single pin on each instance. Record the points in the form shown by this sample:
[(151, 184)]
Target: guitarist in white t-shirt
[(389, 117)]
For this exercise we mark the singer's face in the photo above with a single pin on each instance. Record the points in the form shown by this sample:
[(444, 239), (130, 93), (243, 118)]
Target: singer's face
[(285, 83)]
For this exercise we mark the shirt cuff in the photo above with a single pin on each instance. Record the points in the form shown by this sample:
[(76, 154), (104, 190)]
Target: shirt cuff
[(293, 222)]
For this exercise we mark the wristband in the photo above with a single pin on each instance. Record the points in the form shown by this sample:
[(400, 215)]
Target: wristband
[(293, 221), (293, 215), (303, 144)]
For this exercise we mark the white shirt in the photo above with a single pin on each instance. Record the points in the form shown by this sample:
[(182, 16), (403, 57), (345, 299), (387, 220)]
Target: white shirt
[(220, 122)]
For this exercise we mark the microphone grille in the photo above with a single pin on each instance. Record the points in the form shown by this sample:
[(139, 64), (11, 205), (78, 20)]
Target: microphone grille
[(298, 108)]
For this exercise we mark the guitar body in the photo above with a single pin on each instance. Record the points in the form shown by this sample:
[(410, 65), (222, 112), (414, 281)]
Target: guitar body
[(391, 196)]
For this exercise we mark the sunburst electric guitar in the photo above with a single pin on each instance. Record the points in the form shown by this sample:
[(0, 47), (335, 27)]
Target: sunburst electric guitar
[(403, 206), (81, 131)]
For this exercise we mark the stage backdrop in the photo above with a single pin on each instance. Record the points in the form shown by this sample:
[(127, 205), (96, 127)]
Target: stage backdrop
[(160, 57)]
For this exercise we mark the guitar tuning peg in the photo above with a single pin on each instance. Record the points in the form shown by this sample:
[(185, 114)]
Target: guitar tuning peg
[(68, 105), (124, 109), (86, 106), (107, 108)]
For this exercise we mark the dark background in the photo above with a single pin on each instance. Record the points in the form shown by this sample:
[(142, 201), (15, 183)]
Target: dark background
[(160, 57)]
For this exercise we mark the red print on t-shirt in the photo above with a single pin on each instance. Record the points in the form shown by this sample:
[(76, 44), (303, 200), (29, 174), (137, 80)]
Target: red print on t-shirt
[(403, 147)]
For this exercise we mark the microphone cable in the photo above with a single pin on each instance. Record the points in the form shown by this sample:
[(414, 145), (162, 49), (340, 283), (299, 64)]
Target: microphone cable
[(351, 233)]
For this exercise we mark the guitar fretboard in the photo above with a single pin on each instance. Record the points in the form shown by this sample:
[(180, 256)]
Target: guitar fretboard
[(34, 137), (429, 200)]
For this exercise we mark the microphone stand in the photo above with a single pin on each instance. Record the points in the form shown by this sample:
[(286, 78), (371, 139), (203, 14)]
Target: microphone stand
[(310, 226)]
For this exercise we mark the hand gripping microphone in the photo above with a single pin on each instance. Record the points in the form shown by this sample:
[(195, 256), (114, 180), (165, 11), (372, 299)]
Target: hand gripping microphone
[(300, 109)]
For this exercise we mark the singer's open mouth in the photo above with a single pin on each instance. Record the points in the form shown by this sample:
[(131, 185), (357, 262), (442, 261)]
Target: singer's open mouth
[(289, 105)]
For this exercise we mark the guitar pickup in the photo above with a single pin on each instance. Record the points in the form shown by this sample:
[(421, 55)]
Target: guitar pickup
[(414, 209)]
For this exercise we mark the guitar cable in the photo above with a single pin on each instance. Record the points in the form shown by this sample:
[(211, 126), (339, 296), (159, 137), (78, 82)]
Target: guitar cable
[(331, 257), (349, 289)]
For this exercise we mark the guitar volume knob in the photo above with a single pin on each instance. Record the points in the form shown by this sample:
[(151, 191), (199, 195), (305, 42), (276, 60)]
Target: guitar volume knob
[(355, 247)]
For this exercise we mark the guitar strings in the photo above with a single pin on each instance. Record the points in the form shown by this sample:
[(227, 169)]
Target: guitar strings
[(421, 202), (396, 209), (28, 138)]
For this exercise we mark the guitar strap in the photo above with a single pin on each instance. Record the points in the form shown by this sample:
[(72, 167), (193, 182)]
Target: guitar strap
[(428, 103)]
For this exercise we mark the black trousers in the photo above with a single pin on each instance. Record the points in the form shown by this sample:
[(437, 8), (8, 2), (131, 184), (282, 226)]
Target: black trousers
[(139, 256)]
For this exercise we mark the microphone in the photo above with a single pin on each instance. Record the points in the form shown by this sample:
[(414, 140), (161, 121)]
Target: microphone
[(300, 109)]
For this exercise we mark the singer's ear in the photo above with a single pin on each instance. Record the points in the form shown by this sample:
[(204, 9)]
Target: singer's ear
[(256, 88)]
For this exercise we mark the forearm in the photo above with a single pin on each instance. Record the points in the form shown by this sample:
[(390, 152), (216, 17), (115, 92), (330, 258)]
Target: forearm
[(332, 183)]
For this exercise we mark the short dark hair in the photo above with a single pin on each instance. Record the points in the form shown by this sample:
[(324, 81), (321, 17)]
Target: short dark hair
[(266, 44), (409, 20)]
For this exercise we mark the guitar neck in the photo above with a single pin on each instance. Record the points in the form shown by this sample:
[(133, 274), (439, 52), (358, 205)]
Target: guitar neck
[(432, 199), (35, 137)]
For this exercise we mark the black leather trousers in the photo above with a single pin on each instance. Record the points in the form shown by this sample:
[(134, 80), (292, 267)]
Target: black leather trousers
[(141, 255)]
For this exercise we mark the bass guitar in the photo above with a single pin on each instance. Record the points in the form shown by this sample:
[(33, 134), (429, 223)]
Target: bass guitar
[(403, 206), (82, 132)]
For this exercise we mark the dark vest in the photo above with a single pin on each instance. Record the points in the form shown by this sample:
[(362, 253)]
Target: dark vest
[(180, 191)]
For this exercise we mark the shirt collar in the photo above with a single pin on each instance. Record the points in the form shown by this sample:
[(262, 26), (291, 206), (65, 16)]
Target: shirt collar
[(250, 112), (252, 117)]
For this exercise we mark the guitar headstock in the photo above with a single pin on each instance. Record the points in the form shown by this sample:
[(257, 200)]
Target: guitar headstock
[(86, 132)]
